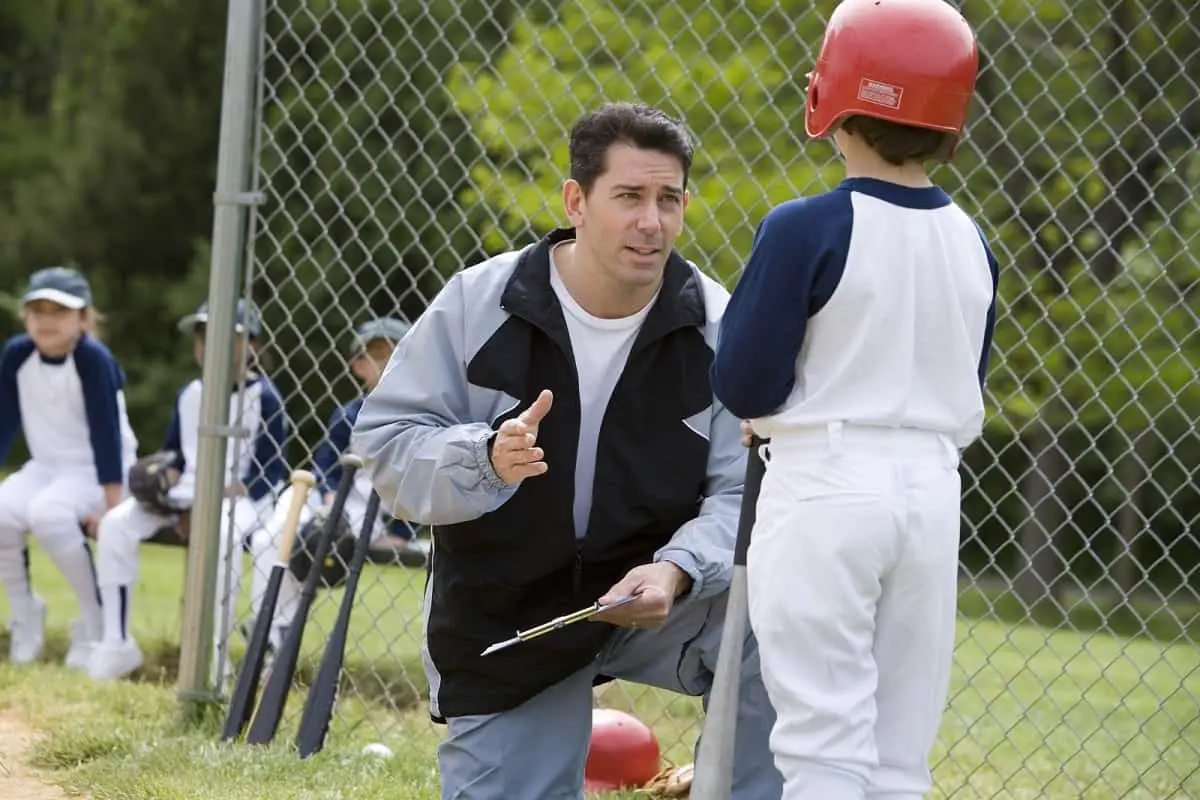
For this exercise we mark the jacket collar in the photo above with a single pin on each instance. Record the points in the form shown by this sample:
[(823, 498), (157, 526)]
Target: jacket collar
[(528, 294)]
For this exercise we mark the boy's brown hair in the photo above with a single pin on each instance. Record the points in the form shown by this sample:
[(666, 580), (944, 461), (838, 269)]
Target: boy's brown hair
[(898, 144)]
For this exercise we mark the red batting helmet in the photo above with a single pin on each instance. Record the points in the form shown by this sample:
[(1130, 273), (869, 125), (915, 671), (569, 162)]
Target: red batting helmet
[(623, 753), (912, 62)]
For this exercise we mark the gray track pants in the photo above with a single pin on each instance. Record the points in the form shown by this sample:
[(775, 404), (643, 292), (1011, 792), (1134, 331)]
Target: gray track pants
[(537, 751)]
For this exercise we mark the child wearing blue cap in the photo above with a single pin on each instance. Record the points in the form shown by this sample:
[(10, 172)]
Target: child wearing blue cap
[(63, 391), (369, 351)]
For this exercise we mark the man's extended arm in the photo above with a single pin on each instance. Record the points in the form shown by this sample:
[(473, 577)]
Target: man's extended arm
[(427, 458)]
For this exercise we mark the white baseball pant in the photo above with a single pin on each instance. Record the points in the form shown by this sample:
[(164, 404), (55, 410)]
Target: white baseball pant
[(50, 502), (852, 596), (264, 548), (124, 528)]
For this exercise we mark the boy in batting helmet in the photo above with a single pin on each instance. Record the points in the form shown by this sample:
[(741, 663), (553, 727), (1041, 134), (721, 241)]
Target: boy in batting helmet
[(857, 343)]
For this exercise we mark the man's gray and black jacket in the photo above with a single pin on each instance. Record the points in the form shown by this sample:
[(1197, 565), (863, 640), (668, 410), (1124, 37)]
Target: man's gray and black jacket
[(668, 485)]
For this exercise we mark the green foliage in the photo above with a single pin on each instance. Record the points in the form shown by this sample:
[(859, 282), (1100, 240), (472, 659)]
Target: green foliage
[(403, 140), (1095, 319), (722, 67), (362, 156), (126, 194)]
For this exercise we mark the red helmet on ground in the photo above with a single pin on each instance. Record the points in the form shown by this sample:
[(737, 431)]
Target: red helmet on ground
[(623, 753), (912, 62)]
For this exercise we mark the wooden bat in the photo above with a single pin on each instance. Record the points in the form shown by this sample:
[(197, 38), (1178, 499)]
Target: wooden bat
[(322, 696), (713, 777), (274, 696), (242, 703)]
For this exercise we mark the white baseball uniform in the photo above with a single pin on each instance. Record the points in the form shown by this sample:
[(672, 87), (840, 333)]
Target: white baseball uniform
[(261, 466), (857, 341), (71, 411)]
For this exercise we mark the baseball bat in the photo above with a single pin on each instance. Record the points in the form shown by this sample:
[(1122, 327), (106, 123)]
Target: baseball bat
[(274, 696), (713, 775), (322, 696), (246, 688)]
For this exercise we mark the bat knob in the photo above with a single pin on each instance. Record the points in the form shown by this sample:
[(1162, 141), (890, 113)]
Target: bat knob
[(305, 477)]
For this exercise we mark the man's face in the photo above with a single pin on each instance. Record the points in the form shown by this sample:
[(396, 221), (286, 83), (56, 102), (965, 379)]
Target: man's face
[(628, 223)]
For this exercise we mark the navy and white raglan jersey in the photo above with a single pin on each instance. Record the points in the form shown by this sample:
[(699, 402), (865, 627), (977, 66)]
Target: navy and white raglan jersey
[(328, 469), (70, 409), (261, 458), (871, 304)]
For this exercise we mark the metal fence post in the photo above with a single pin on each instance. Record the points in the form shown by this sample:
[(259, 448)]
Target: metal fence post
[(196, 684)]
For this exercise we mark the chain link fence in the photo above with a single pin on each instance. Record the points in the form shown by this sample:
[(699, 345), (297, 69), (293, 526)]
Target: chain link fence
[(398, 142)]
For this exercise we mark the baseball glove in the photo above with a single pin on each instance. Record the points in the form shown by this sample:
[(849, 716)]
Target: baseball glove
[(150, 480), (335, 567), (670, 782)]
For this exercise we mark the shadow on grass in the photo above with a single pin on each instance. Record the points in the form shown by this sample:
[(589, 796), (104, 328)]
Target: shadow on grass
[(397, 685), (1158, 622)]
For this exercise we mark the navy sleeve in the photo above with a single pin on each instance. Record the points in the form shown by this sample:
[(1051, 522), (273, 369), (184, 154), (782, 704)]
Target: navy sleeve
[(102, 379), (270, 446), (336, 442), (798, 257), (16, 351), (990, 326), (402, 529), (173, 441)]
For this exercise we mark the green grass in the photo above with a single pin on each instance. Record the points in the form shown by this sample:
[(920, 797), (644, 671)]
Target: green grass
[(1036, 712)]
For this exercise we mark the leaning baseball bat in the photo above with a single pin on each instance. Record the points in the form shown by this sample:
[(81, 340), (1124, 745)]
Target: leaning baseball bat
[(713, 777), (274, 696), (322, 696), (246, 688)]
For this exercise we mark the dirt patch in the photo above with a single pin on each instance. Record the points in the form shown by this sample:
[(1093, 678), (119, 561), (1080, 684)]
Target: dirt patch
[(17, 780)]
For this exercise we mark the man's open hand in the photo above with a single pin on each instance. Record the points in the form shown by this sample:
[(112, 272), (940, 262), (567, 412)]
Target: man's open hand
[(515, 454), (655, 585)]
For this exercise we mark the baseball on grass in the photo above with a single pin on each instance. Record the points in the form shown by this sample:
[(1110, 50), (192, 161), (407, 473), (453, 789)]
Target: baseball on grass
[(377, 749)]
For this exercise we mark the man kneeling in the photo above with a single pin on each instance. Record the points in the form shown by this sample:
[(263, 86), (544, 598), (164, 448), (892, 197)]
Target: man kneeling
[(550, 417)]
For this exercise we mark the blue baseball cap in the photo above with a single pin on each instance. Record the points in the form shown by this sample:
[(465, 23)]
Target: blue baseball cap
[(246, 319), (61, 285), (388, 328)]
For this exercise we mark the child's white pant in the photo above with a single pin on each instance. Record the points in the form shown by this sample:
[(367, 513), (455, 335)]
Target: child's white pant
[(852, 577), (124, 528), (50, 502), (264, 546)]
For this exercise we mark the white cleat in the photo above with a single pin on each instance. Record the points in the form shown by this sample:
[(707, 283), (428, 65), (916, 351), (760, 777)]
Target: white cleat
[(83, 641), (27, 633), (111, 662)]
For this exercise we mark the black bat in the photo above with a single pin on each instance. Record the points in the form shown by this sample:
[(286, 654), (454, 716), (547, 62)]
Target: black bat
[(242, 703), (713, 776), (322, 696), (274, 696)]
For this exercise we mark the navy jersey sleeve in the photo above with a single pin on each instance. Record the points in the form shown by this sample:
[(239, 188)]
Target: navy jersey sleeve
[(336, 442), (798, 257), (270, 446), (16, 351), (173, 441), (102, 380), (990, 325)]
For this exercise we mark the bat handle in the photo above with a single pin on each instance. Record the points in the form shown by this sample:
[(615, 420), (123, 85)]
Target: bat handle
[(302, 482), (756, 467)]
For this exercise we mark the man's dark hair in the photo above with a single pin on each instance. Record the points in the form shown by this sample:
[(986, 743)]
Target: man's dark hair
[(897, 144), (633, 124)]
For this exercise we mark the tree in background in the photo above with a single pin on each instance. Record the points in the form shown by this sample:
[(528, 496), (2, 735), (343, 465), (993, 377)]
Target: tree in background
[(123, 129), (1077, 165)]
